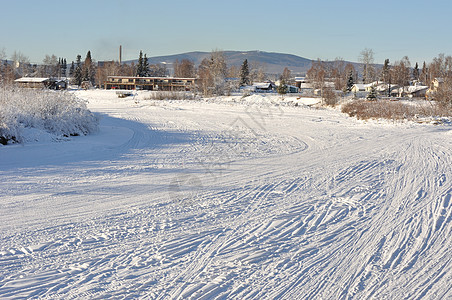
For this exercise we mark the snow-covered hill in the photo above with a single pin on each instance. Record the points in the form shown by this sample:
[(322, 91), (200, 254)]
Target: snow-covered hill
[(274, 63), (230, 200)]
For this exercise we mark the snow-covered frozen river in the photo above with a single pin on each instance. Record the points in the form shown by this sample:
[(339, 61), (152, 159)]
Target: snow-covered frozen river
[(228, 200)]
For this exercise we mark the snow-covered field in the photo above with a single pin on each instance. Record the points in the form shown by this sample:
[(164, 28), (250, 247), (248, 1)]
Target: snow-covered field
[(220, 199)]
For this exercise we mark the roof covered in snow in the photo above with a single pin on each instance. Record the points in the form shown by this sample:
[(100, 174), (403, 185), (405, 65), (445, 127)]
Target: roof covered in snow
[(417, 88), (32, 79), (262, 85), (360, 86)]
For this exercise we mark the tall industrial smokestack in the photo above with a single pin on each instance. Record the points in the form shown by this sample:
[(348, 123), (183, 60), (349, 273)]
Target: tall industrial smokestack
[(120, 54)]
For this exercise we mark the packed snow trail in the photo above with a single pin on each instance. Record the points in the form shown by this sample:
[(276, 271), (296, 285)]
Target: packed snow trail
[(206, 200)]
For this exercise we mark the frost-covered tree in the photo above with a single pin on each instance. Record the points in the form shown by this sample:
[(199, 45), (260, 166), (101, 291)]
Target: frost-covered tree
[(218, 70), (205, 77), (244, 74), (366, 57), (212, 74), (50, 66)]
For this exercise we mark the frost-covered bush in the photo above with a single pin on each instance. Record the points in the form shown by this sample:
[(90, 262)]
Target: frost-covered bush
[(56, 112), (365, 110), (164, 95)]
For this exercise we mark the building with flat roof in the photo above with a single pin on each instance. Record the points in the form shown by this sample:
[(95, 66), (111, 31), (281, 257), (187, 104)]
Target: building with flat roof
[(150, 83)]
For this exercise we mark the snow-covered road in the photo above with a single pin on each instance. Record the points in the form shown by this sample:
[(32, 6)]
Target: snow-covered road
[(227, 200)]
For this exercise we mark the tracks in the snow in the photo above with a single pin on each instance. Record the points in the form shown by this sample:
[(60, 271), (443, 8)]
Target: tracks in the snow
[(278, 215)]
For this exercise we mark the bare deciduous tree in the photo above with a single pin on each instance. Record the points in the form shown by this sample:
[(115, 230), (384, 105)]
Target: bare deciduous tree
[(49, 67), (184, 69), (338, 74), (257, 72), (109, 68), (443, 95), (440, 67), (21, 64), (400, 72), (158, 70), (233, 72), (286, 75), (317, 74)]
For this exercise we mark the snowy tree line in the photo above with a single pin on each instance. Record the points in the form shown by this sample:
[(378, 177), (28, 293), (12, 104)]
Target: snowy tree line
[(401, 73), (212, 72)]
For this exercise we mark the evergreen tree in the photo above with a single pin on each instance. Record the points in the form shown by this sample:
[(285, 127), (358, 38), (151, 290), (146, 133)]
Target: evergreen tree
[(60, 66), (424, 71), (88, 56), (350, 82), (244, 74), (282, 88), (385, 71), (85, 74), (416, 72), (64, 71), (88, 69), (140, 65), (372, 94), (71, 69), (146, 70), (78, 71)]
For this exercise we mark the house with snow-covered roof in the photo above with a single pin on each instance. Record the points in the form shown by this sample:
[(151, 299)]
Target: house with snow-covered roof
[(368, 86), (435, 85), (40, 83), (358, 87), (267, 86), (34, 82), (417, 91)]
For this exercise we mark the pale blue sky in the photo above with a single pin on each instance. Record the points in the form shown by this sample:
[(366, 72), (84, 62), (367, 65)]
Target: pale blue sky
[(323, 29)]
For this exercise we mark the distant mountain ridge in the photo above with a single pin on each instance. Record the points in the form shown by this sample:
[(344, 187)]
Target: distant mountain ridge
[(272, 62)]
